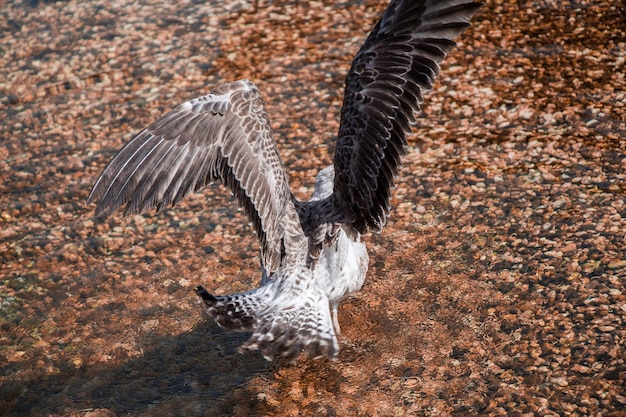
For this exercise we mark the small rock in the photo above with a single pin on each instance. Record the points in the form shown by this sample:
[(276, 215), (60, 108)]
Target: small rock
[(617, 264), (606, 329)]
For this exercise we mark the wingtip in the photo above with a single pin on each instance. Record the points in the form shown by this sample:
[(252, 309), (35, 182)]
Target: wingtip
[(100, 211), (477, 5), (473, 7), (93, 195), (104, 208)]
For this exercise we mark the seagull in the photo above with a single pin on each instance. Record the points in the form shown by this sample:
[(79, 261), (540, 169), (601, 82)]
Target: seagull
[(312, 254)]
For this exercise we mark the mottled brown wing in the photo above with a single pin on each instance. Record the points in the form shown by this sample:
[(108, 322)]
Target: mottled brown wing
[(384, 89), (220, 136)]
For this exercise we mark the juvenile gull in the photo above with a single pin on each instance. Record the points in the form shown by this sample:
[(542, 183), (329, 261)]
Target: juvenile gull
[(311, 251)]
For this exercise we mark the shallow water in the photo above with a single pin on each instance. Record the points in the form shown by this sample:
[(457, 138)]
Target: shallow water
[(192, 373), (495, 289)]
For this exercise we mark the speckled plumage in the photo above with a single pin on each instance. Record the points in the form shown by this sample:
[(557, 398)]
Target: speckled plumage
[(311, 252)]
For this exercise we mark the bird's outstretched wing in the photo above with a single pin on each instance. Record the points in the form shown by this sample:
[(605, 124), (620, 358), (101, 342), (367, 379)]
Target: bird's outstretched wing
[(384, 89), (223, 136)]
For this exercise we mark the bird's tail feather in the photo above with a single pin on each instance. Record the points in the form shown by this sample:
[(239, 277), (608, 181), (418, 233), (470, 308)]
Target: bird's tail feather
[(282, 325)]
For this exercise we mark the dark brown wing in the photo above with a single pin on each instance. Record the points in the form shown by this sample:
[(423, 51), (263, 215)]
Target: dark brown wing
[(384, 89), (221, 136)]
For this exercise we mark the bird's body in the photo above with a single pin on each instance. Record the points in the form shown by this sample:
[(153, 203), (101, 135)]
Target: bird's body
[(311, 252), (299, 301)]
